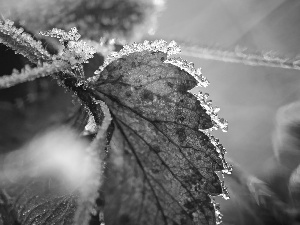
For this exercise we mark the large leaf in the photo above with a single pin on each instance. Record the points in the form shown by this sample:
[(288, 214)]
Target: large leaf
[(165, 129)]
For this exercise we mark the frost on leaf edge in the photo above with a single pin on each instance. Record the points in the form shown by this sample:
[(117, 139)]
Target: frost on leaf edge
[(218, 123)]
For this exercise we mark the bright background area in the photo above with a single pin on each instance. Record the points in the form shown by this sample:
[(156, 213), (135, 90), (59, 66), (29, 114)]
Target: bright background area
[(248, 96)]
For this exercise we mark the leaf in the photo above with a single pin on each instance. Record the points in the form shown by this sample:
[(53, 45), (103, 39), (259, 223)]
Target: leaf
[(124, 19), (22, 42), (165, 129), (75, 52)]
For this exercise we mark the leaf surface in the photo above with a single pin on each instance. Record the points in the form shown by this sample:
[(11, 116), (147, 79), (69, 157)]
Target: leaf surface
[(34, 205), (165, 129)]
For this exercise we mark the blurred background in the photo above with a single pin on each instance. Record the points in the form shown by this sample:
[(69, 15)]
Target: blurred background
[(248, 96)]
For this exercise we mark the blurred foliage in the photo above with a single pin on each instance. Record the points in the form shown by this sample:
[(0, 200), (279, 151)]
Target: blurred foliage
[(123, 19)]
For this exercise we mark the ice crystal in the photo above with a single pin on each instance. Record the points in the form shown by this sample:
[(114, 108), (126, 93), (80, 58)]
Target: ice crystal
[(163, 127), (62, 174), (61, 35), (189, 67)]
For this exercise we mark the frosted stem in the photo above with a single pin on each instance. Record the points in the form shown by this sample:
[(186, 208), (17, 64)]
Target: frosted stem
[(29, 74), (22, 43), (238, 55)]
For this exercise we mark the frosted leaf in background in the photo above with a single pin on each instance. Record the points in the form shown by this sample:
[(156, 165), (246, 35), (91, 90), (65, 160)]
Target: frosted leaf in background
[(74, 51), (56, 171), (160, 125), (22, 42), (286, 135), (30, 74), (123, 19), (58, 153)]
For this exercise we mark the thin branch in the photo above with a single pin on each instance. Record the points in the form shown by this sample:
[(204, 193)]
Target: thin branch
[(238, 55)]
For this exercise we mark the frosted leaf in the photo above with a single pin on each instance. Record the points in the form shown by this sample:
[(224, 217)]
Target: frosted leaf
[(22, 42), (155, 46), (80, 51), (45, 183), (294, 183), (165, 129)]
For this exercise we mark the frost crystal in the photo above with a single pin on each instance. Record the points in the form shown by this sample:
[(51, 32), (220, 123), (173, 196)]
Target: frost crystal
[(151, 87), (104, 46), (207, 104), (155, 46), (75, 51)]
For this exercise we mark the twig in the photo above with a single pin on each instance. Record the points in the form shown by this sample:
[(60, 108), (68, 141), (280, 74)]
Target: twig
[(238, 55)]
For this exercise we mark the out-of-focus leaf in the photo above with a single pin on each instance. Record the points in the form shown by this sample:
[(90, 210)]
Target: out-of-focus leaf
[(6, 216), (53, 180), (173, 159), (255, 202), (294, 185), (124, 19)]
